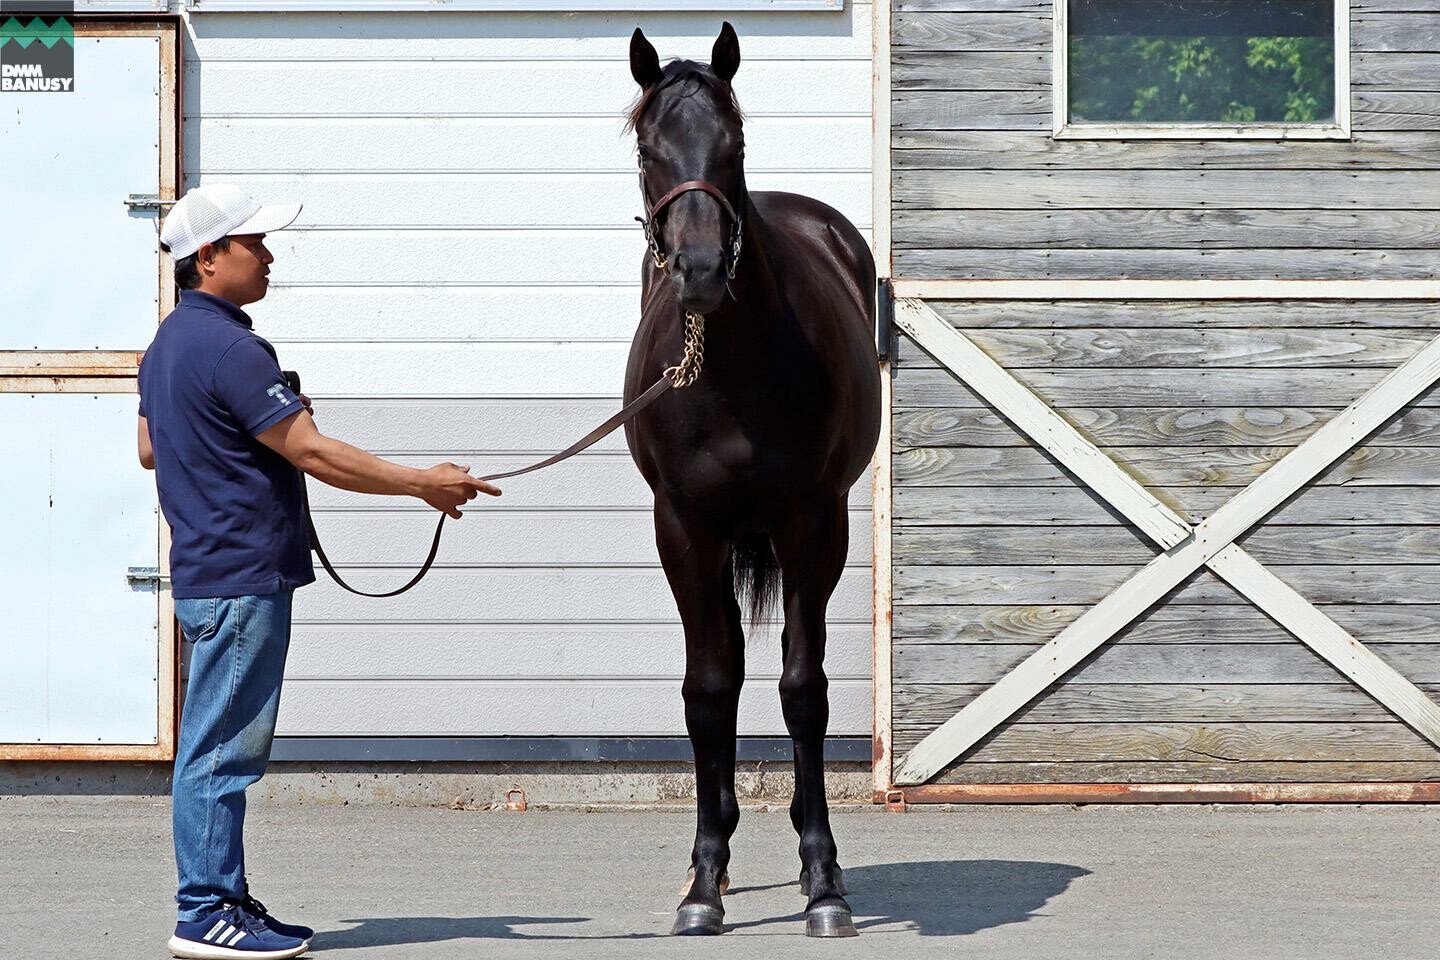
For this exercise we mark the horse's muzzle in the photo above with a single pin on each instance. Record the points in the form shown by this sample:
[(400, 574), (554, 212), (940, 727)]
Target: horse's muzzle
[(700, 278)]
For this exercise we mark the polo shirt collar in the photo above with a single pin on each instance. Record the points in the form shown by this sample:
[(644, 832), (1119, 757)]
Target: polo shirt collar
[(219, 305)]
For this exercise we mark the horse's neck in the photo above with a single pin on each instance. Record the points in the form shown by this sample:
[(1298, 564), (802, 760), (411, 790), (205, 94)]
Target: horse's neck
[(757, 296)]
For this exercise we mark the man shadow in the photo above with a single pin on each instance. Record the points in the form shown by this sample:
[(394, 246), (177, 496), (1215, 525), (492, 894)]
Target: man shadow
[(946, 898), (395, 931)]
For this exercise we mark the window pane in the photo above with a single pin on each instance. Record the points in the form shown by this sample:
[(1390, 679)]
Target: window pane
[(1198, 61)]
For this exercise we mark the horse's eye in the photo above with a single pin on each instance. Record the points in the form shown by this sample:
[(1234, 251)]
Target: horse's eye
[(643, 151)]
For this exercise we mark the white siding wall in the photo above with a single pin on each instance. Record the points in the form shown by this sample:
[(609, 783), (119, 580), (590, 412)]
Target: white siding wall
[(463, 285)]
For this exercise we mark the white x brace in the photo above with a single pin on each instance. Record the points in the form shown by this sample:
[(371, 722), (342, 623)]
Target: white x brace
[(1185, 549)]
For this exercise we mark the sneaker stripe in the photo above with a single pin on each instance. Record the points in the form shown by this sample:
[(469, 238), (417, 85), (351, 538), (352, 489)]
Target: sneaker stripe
[(215, 929), (236, 939)]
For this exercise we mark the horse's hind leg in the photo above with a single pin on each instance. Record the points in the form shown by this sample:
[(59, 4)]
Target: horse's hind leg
[(697, 564), (811, 549)]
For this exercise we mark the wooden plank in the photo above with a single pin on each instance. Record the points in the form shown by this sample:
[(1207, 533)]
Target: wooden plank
[(1156, 388), (1151, 229), (971, 31), (1167, 290), (1165, 189), (1067, 584), (1098, 264), (1036, 150), (1006, 506), (969, 110), (1037, 420), (1396, 71), (1247, 315), (925, 704), (1183, 347), (1115, 742), (1154, 426), (1396, 109), (1163, 663), (1165, 467), (981, 6), (1126, 546), (971, 70), (1304, 774), (1393, 31), (69, 363), (881, 751), (1172, 622)]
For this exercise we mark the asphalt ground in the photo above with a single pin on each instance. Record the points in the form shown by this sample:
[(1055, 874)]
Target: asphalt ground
[(92, 878)]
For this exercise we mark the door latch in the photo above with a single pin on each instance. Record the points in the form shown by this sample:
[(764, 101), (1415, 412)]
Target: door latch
[(141, 576), (147, 201)]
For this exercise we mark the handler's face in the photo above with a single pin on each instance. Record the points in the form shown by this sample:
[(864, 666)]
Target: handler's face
[(240, 274)]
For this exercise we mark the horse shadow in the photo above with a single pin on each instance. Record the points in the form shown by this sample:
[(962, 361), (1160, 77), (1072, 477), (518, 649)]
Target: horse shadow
[(946, 898), (398, 931)]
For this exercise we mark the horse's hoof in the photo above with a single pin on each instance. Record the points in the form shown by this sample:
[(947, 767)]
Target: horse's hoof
[(690, 882), (839, 881), (830, 920), (698, 920)]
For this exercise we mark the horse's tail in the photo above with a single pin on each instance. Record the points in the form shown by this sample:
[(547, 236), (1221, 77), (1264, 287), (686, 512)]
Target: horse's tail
[(757, 575)]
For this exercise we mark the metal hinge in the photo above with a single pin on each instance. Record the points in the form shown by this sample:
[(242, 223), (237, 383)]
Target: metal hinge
[(147, 201), (136, 576), (884, 318)]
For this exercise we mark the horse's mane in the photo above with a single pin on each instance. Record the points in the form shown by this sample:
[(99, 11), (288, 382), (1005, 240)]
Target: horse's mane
[(674, 72)]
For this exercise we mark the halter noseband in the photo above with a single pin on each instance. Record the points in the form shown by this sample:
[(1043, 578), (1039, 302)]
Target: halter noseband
[(651, 222)]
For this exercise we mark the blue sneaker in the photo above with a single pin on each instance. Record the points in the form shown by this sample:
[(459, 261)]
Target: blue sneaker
[(257, 909), (230, 933)]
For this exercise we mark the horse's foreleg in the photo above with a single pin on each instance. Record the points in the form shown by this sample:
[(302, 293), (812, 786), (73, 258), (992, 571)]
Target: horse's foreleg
[(811, 550), (697, 564)]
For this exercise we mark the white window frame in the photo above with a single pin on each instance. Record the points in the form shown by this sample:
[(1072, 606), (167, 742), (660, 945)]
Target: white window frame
[(1063, 129), (499, 6)]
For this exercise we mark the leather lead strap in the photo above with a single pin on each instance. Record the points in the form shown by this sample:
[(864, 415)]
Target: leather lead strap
[(628, 412)]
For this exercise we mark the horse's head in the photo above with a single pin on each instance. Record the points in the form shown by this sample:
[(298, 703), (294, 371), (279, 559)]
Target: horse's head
[(691, 147)]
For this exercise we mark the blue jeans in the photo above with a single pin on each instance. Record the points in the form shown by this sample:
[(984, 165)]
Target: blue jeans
[(226, 731)]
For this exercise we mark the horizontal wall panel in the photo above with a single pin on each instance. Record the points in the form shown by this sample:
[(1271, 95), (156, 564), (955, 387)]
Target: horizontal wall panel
[(520, 594), (1113, 742), (1396, 110), (1037, 151), (1088, 583), (1395, 31), (790, 35), (1155, 426), (296, 88), (527, 708), (520, 426), (424, 144), (1170, 622), (1169, 264), (970, 110), (1338, 387), (1151, 229), (1181, 347), (1247, 315), (517, 201), (969, 69), (1161, 466), (1126, 546), (1194, 771), (490, 538), (934, 703), (540, 651), (1167, 189), (1397, 71), (1163, 663), (965, 30), (1004, 506)]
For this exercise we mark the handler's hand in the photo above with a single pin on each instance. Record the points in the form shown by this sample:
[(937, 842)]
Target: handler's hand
[(446, 486)]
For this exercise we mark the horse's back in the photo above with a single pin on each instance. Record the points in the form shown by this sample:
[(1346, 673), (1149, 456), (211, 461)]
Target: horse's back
[(813, 223)]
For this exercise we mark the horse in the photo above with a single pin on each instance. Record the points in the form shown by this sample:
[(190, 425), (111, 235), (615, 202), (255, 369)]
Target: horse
[(769, 299)]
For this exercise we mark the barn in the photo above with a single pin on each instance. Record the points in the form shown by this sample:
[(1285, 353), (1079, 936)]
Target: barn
[(1156, 520)]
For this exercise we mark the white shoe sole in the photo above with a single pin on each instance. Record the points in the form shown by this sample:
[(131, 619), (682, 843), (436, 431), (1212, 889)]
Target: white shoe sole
[(195, 950)]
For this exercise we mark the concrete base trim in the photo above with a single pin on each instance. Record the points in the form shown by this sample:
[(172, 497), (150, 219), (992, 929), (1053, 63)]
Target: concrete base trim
[(549, 749)]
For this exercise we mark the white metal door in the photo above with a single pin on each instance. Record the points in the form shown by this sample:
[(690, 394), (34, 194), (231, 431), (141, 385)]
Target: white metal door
[(87, 637)]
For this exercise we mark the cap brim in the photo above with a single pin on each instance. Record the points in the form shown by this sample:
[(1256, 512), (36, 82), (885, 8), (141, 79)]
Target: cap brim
[(270, 218)]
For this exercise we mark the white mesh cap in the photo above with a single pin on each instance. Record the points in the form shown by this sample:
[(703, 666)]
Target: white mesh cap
[(216, 210)]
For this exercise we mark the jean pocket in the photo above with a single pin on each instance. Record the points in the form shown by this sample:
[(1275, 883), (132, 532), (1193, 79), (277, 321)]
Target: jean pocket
[(197, 618)]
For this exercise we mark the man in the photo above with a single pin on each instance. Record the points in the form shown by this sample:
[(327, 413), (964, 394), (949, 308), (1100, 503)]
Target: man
[(228, 440)]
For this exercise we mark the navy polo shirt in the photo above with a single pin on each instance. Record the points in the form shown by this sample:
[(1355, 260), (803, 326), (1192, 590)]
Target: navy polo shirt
[(208, 386)]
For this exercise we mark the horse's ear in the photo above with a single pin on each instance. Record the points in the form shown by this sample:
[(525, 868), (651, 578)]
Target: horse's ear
[(725, 57), (644, 61)]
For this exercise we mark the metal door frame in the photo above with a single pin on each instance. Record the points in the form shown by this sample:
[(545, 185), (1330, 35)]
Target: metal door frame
[(115, 371)]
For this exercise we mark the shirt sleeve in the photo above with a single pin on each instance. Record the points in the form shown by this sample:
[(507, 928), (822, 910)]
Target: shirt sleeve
[(249, 383)]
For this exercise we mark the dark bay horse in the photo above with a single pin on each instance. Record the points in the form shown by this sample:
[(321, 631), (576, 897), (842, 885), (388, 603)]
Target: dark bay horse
[(752, 463)]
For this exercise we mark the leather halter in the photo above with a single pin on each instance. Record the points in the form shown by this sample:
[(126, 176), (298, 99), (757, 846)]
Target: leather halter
[(651, 222)]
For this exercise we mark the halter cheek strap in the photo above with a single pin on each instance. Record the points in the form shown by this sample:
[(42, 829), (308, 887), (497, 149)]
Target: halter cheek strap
[(651, 222)]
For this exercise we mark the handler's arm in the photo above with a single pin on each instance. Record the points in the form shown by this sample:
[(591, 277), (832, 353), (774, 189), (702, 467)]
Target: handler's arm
[(142, 440), (445, 486)]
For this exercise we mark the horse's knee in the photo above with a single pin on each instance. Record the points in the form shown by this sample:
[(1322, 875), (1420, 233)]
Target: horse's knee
[(804, 697)]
